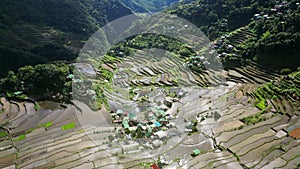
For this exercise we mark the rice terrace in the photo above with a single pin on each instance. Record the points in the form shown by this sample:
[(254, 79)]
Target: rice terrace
[(158, 84)]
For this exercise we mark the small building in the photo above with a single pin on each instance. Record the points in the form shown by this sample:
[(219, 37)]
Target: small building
[(160, 113), (196, 152), (117, 121), (188, 130), (161, 134), (156, 144), (154, 166), (120, 112), (125, 124), (273, 10), (157, 124), (257, 16), (132, 128), (266, 16), (70, 76), (130, 147), (230, 47), (132, 116)]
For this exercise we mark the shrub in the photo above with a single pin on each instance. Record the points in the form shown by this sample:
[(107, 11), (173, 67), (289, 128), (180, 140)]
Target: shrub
[(285, 71)]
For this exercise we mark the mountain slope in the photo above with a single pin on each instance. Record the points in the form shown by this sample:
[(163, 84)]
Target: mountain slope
[(264, 31), (142, 6), (39, 31)]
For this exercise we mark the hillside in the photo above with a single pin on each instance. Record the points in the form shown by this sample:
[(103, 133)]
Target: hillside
[(151, 101), (39, 31), (266, 32), (143, 6)]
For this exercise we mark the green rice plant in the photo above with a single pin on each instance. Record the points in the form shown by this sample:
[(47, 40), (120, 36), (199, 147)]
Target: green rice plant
[(261, 104), (30, 130), (20, 138), (68, 126), (48, 124), (3, 134)]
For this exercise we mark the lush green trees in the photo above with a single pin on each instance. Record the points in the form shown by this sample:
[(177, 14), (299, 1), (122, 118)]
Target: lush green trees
[(208, 14), (148, 5), (277, 40), (35, 32), (44, 80)]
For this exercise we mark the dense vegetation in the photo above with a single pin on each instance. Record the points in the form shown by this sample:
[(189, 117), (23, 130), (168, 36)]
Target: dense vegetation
[(148, 41), (274, 24), (55, 30), (142, 6), (218, 16), (46, 81), (34, 31), (287, 87)]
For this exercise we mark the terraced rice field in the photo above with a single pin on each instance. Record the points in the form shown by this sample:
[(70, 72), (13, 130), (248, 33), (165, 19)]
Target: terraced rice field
[(241, 35), (55, 135)]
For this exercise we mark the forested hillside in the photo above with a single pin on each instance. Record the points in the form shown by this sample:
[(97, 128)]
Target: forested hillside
[(39, 31), (266, 32), (148, 5)]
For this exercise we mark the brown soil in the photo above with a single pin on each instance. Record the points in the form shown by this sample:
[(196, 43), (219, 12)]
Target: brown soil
[(295, 133)]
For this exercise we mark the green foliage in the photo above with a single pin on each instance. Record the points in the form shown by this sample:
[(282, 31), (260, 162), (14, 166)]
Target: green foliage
[(254, 119), (44, 80), (261, 104), (276, 45), (142, 6), (68, 126), (3, 134), (30, 130), (36, 106), (20, 138), (287, 87), (285, 71), (106, 74), (145, 165), (39, 32), (148, 41), (266, 34), (184, 52), (100, 97), (46, 125), (218, 17)]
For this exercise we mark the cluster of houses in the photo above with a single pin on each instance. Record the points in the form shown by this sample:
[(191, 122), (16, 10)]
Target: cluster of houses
[(278, 10), (153, 126), (223, 46), (82, 90)]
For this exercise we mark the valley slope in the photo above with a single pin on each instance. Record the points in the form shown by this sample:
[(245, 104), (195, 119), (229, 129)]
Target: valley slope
[(41, 31)]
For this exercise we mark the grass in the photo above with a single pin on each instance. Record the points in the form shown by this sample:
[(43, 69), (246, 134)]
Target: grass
[(254, 119), (3, 134), (261, 104), (145, 165), (20, 138), (37, 106), (68, 126), (30, 130), (46, 125)]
